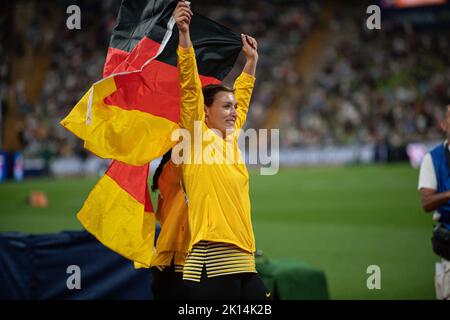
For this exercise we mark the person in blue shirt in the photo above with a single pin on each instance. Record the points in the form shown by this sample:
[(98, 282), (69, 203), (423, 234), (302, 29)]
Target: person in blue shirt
[(434, 187)]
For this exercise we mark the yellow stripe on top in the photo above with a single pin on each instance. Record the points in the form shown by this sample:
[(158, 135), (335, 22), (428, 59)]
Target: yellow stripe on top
[(219, 202), (219, 259), (177, 268)]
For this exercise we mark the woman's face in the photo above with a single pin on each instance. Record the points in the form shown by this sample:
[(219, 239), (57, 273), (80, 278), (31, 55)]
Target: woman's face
[(222, 113)]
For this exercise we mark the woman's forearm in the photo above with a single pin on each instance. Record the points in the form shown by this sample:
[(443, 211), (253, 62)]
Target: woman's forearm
[(250, 66), (184, 39)]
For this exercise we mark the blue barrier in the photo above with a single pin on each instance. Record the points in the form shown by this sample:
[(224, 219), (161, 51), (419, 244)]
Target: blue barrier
[(36, 267), (43, 266)]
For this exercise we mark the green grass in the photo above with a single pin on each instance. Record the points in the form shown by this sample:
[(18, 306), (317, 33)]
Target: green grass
[(339, 219)]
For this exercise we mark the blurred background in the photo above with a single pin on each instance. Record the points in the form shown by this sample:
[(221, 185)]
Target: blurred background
[(357, 109)]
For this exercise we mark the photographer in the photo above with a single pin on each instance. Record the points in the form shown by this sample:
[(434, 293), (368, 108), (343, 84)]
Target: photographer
[(434, 187)]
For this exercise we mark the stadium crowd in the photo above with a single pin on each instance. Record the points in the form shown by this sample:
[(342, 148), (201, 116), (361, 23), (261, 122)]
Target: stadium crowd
[(385, 86), (389, 91), (78, 57), (76, 62)]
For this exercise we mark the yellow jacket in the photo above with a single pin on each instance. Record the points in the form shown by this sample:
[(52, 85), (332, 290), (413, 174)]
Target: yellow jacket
[(218, 194)]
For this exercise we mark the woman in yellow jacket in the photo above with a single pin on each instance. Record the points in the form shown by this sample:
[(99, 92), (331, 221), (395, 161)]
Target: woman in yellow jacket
[(173, 240), (220, 263)]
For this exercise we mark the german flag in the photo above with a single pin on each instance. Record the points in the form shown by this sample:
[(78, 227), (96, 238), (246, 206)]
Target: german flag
[(119, 212), (129, 116)]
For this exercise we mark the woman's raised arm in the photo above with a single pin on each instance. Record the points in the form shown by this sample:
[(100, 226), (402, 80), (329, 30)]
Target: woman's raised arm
[(190, 85)]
